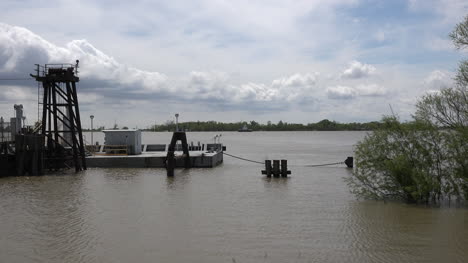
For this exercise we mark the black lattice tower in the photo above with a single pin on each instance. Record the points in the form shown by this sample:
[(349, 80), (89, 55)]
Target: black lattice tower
[(61, 123)]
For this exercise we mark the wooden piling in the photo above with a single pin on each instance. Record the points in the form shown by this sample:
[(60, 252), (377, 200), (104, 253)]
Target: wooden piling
[(276, 168), (268, 168), (284, 168)]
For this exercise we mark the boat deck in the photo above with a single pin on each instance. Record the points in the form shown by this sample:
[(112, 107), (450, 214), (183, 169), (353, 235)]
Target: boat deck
[(198, 159)]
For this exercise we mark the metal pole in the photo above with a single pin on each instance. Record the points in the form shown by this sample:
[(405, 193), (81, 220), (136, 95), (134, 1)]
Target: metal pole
[(92, 141), (1, 128)]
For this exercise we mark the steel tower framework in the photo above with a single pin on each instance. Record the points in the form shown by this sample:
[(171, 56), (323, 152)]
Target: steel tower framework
[(61, 123)]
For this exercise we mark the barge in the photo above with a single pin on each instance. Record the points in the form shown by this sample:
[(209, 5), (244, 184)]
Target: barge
[(198, 159), (123, 148)]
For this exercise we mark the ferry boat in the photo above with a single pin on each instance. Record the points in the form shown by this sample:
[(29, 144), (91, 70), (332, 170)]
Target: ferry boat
[(244, 129)]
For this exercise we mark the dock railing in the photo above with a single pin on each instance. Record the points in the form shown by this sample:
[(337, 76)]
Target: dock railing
[(113, 150)]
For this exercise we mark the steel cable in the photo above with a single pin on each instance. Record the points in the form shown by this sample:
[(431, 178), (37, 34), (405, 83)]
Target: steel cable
[(253, 161), (243, 158)]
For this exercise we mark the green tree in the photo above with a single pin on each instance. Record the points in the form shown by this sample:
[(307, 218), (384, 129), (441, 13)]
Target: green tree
[(400, 161), (459, 37), (423, 160)]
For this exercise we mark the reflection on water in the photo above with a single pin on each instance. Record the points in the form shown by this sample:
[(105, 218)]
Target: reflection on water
[(228, 214), (407, 233), (276, 182), (182, 179)]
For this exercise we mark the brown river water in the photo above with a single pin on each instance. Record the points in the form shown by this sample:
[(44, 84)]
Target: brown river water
[(230, 213)]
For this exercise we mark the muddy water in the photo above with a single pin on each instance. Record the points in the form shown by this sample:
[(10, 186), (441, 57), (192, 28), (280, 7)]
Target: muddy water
[(227, 214)]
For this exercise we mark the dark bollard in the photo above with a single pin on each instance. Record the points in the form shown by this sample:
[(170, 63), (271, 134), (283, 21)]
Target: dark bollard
[(284, 168), (349, 162), (276, 168), (267, 170), (268, 167)]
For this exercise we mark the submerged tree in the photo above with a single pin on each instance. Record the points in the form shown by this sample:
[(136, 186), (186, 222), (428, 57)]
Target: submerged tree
[(400, 161), (423, 160)]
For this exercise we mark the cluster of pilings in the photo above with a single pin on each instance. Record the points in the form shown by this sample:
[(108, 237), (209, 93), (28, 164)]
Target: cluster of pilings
[(276, 170)]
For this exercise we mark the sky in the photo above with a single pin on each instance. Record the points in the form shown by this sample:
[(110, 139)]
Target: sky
[(293, 60)]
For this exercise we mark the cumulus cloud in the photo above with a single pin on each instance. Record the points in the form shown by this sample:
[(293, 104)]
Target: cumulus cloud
[(438, 79), (371, 90), (90, 97), (17, 94), (103, 77), (341, 92), (121, 88), (295, 87), (345, 92), (297, 80), (209, 85), (216, 86), (20, 46), (358, 70)]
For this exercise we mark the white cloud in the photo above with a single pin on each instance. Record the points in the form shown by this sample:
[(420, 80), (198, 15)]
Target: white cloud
[(90, 97), (103, 77), (371, 90), (341, 92), (297, 80), (358, 70), (274, 71), (216, 85), (17, 94), (22, 49), (363, 90), (438, 79), (295, 87)]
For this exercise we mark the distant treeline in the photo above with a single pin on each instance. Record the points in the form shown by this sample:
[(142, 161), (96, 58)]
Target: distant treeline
[(323, 125)]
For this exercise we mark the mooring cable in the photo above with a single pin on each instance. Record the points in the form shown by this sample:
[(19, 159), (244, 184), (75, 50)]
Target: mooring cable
[(325, 164), (253, 161), (243, 158)]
